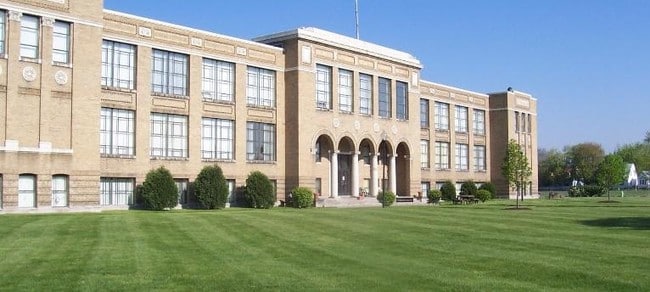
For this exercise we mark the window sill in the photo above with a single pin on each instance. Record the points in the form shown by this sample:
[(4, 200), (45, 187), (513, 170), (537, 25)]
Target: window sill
[(265, 107), (64, 65), (461, 132), (320, 109), (119, 89), (119, 156), (346, 112), (169, 158), (481, 171), (167, 95), (211, 160), (217, 101), (462, 170), (443, 169), (261, 162), (30, 60), (442, 130), (479, 134)]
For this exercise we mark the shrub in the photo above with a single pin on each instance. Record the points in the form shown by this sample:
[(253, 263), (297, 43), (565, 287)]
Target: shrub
[(448, 191), (434, 196), (594, 191), (259, 191), (490, 187), (211, 188), (390, 198), (302, 197), (576, 191), (483, 195), (159, 190), (468, 188)]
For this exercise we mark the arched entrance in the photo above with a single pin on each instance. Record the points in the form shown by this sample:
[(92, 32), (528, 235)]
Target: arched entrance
[(323, 149), (403, 165), (367, 170), (385, 158), (346, 151)]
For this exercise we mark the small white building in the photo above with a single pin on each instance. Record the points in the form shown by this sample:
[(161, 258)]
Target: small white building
[(631, 177), (644, 179)]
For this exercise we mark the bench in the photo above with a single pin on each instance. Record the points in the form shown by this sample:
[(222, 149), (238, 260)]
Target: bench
[(399, 199)]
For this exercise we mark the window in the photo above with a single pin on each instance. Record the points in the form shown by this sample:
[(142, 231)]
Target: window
[(442, 116), (118, 65), (461, 119), (318, 185), (461, 157), (479, 158), (29, 30), (425, 187), (317, 152), (218, 80), (479, 122), (530, 125), (59, 191), (442, 155), (61, 42), (115, 191), (516, 122), (3, 27), (169, 73), (424, 114), (217, 137), (26, 191), (181, 186), (384, 98), (402, 100), (261, 87), (323, 87), (1, 187), (523, 123), (260, 142), (424, 153), (168, 135), (345, 91), (117, 135), (365, 94), (232, 198)]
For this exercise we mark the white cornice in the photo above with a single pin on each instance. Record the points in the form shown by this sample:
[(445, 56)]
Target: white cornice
[(454, 88), (49, 14)]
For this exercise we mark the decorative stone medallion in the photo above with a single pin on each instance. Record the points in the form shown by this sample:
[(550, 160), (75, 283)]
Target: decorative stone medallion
[(61, 78), (29, 73), (336, 123)]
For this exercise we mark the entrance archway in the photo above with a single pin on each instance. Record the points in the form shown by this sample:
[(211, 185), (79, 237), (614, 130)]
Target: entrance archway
[(346, 151), (403, 164)]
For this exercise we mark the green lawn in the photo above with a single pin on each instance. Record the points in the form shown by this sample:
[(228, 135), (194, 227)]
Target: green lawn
[(568, 244)]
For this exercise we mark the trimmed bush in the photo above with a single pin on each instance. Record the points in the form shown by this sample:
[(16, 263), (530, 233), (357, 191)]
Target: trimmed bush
[(302, 197), (211, 188), (434, 196), (575, 191), (448, 191), (483, 195), (259, 191), (159, 190), (594, 191), (490, 187), (468, 188), (390, 198)]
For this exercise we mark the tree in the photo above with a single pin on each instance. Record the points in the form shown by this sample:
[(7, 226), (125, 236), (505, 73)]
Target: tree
[(583, 161), (448, 190), (468, 188), (637, 153), (552, 168), (610, 172), (159, 190), (647, 137), (516, 168), (259, 191), (211, 188)]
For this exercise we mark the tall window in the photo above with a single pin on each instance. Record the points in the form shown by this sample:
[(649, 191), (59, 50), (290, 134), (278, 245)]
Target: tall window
[(345, 90), (517, 122), (424, 153), (1, 187), (323, 87), (218, 80), (442, 155), (118, 65), (59, 191), (26, 191), (402, 100), (169, 73), (424, 113), (425, 187), (29, 30), (260, 90), (115, 191), (61, 42), (479, 158), (365, 94), (384, 98), (168, 135), (479, 122), (117, 135), (3, 27), (217, 137), (461, 119), (523, 122), (442, 116), (260, 142), (530, 125), (182, 188), (462, 160)]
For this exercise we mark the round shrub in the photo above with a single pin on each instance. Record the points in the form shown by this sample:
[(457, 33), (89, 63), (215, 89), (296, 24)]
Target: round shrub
[(259, 191), (210, 188), (483, 195), (468, 188), (448, 191), (594, 191), (490, 187), (302, 197), (390, 198), (159, 190), (434, 196)]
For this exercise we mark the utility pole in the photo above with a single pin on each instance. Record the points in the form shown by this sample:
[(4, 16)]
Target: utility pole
[(356, 16)]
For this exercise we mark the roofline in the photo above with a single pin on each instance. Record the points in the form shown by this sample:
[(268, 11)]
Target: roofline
[(454, 88), (196, 30), (516, 92), (312, 34)]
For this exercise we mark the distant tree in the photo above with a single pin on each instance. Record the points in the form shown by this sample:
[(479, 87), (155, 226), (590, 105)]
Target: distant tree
[(159, 190), (583, 160), (552, 168), (638, 153), (610, 172), (211, 188), (515, 168), (647, 137)]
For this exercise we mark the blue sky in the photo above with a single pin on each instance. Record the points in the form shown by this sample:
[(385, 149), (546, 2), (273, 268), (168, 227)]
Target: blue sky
[(586, 61)]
